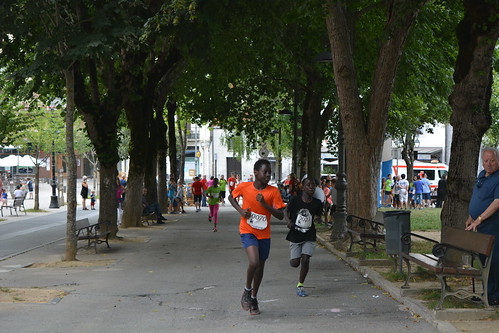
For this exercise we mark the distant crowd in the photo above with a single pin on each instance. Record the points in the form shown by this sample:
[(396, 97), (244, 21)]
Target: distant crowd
[(398, 192)]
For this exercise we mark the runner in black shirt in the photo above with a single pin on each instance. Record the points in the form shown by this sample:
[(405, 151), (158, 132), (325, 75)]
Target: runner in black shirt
[(300, 214)]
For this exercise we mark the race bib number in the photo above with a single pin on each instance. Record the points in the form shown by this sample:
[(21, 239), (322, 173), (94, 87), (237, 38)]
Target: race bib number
[(258, 221), (303, 220), (215, 195)]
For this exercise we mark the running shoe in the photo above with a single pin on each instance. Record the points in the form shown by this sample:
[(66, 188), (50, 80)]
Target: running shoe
[(246, 299), (254, 310), (300, 291)]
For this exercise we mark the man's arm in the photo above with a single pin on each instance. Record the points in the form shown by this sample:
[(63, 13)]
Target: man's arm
[(493, 207)]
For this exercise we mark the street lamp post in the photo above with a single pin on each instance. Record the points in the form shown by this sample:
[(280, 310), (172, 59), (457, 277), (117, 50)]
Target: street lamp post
[(54, 203), (340, 221), (339, 226)]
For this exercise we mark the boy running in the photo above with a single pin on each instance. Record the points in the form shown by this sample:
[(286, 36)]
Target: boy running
[(260, 201), (300, 214)]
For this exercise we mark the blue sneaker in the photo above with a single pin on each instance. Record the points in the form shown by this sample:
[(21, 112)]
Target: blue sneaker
[(300, 291)]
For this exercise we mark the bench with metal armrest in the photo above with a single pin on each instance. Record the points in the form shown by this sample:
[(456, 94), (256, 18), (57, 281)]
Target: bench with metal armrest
[(94, 234), (443, 261)]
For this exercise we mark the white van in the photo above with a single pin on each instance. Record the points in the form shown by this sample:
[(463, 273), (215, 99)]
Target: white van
[(433, 170)]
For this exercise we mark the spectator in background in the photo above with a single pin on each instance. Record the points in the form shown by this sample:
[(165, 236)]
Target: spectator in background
[(30, 188), (92, 200), (441, 191), (5, 197), (403, 192), (388, 190), (418, 193), (382, 192), (204, 181), (170, 191), (84, 192), (396, 192), (119, 198), (426, 190), (18, 193), (151, 208)]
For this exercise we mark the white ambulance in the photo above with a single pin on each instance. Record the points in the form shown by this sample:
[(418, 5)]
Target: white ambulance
[(433, 170)]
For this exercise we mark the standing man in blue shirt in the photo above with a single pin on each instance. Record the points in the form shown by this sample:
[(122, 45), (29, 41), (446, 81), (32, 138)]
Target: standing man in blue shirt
[(484, 214), (426, 190)]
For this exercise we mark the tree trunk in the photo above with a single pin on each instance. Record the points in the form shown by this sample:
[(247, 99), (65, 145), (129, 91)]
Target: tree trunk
[(477, 35), (71, 247), (364, 129), (101, 115), (182, 137), (172, 140), (36, 204), (161, 160)]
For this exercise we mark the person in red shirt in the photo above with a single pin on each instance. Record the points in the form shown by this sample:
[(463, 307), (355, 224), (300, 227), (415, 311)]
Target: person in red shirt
[(232, 182), (260, 201), (197, 192), (205, 187)]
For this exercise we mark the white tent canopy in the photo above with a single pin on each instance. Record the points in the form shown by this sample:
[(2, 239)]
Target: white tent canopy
[(18, 160)]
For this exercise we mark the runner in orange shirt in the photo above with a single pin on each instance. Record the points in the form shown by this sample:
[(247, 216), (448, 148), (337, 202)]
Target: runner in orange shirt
[(260, 201)]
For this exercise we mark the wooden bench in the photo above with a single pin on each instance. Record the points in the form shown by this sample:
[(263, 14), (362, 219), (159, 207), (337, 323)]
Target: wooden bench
[(93, 233), (364, 232), (443, 263), (17, 205), (149, 218)]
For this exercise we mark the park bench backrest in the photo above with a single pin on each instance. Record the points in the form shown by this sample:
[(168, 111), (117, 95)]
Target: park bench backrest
[(468, 240), (83, 223), (18, 202)]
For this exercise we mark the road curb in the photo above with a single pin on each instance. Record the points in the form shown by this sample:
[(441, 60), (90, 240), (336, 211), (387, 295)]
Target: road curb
[(412, 305)]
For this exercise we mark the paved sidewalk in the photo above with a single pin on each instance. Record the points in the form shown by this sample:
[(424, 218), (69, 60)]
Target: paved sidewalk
[(185, 278)]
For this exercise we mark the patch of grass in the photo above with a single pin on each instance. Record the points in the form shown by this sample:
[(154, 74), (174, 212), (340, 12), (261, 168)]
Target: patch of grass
[(394, 276), (420, 274), (5, 290), (36, 211), (423, 219)]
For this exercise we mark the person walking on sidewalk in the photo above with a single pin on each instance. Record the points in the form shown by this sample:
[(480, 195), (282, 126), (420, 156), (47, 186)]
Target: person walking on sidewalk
[(300, 214), (260, 201), (84, 192), (213, 194)]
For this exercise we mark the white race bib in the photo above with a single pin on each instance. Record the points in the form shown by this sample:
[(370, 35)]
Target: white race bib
[(215, 195), (303, 220), (257, 221)]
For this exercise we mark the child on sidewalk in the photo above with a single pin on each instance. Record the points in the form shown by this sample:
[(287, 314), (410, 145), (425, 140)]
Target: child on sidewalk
[(213, 194), (92, 200), (260, 201), (300, 214)]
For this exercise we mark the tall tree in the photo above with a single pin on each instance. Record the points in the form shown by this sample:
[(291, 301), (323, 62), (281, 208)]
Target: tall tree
[(477, 34), (364, 109)]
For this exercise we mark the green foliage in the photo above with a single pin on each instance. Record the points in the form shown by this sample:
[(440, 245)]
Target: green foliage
[(491, 138), (424, 79)]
